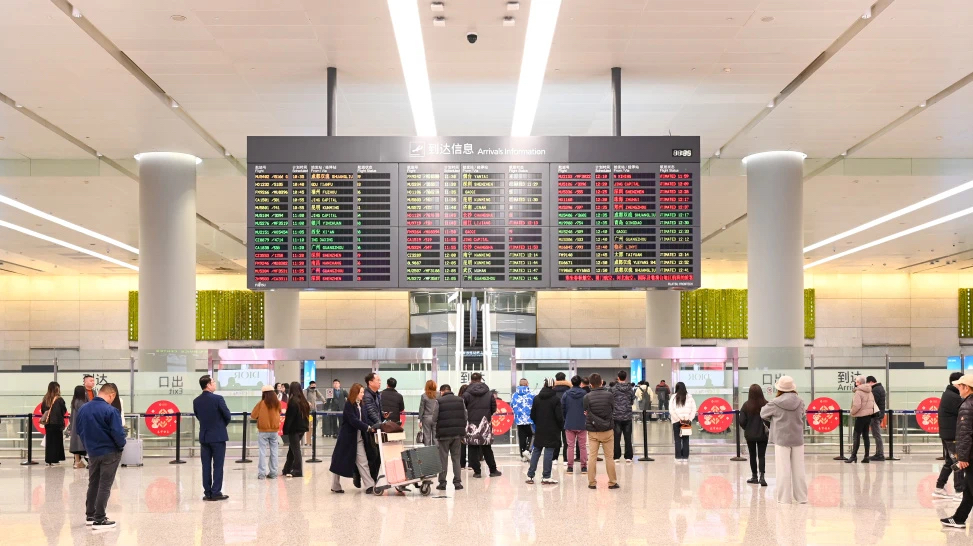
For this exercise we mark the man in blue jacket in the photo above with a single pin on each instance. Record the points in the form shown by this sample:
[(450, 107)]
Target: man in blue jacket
[(100, 429), (521, 402), (213, 416), (572, 403)]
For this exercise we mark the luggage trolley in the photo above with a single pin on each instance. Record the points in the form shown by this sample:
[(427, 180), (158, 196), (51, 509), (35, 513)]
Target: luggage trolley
[(391, 446)]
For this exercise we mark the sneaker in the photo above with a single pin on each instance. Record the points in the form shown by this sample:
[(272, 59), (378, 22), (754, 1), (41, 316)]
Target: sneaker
[(261, 477), (496, 474), (441, 487), (89, 521), (549, 481), (584, 469), (941, 493), (530, 481), (570, 470), (950, 522), (458, 487), (628, 461), (102, 524), (477, 475)]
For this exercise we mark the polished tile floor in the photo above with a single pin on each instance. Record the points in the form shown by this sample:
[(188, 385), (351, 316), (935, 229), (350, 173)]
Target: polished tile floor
[(703, 502)]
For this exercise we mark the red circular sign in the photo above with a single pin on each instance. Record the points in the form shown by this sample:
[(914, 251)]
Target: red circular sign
[(37, 420), (823, 422), (158, 419), (283, 410), (928, 422), (503, 419), (715, 423)]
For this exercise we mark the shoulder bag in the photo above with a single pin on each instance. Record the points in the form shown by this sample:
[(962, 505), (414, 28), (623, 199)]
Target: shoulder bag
[(46, 417), (685, 428)]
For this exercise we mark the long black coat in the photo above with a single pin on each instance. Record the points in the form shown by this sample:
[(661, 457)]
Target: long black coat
[(346, 447), (548, 418)]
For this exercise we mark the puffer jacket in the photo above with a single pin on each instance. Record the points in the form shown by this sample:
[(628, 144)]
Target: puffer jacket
[(521, 402), (878, 391), (548, 418), (787, 418), (573, 405), (964, 431), (449, 416), (561, 387), (949, 412), (599, 407), (863, 404), (372, 408), (480, 407), (623, 395)]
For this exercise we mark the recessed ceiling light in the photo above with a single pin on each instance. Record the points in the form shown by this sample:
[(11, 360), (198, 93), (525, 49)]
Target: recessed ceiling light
[(437, 6), (922, 104), (77, 248), (509, 21), (178, 17), (439, 21), (3, 138), (541, 23), (893, 215), (173, 103), (513, 6), (772, 103), (939, 138), (51, 218), (412, 55), (727, 69), (767, 19)]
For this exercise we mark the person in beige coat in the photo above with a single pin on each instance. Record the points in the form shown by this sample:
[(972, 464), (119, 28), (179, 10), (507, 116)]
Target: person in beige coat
[(863, 407), (788, 417)]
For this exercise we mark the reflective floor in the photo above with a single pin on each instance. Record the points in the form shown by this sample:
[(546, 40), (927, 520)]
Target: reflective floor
[(703, 502)]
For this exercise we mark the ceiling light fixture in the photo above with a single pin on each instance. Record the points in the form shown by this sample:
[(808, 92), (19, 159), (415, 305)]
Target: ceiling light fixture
[(939, 138), (177, 17), (51, 218), (541, 23), (412, 55), (138, 157), (98, 154), (803, 156), (438, 21), (18, 105), (893, 215), (868, 13), (65, 244), (173, 103), (513, 6), (767, 19), (509, 21), (727, 69), (894, 236), (76, 13), (922, 104), (718, 152), (772, 103), (437, 6)]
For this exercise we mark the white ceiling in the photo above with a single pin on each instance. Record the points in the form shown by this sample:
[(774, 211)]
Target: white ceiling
[(701, 67)]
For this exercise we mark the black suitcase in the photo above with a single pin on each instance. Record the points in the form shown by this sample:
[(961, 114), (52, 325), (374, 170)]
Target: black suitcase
[(421, 461)]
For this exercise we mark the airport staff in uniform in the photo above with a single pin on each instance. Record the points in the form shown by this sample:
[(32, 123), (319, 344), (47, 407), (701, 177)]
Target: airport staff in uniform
[(213, 416)]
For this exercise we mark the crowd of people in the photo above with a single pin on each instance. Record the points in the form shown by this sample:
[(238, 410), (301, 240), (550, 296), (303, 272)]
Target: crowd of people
[(581, 419)]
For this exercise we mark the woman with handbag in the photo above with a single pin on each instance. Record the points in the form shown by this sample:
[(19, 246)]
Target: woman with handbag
[(863, 409), (76, 446), (53, 410), (295, 425), (427, 409), (787, 418), (683, 411), (351, 449), (756, 433)]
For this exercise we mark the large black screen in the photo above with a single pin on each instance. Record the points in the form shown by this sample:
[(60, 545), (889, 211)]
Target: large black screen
[(477, 212)]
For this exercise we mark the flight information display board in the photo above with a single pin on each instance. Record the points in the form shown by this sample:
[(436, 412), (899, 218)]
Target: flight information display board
[(477, 212)]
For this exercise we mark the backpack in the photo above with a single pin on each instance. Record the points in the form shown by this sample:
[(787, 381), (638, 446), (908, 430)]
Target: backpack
[(645, 404)]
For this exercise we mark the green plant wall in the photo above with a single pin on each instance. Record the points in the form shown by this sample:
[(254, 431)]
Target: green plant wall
[(220, 315), (966, 312), (722, 314)]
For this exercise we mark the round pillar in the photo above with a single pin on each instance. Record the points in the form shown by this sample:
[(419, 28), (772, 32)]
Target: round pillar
[(775, 259), (167, 258), (282, 330), (663, 328)]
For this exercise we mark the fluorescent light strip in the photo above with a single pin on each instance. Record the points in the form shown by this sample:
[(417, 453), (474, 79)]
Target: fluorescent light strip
[(49, 239), (412, 55), (537, 48), (894, 236), (893, 215), (65, 223)]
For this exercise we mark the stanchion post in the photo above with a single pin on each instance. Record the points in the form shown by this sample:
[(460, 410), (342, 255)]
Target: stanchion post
[(645, 439), (29, 434), (314, 438), (736, 426), (891, 456), (243, 454), (841, 437), (178, 460)]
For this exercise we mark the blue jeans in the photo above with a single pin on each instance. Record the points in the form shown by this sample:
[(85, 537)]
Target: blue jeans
[(549, 454), (267, 442)]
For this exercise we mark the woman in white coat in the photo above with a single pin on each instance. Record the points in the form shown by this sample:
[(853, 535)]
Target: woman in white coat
[(787, 417), (683, 411)]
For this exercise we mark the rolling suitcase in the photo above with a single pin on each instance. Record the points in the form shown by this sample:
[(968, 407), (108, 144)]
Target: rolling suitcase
[(421, 461), (132, 452)]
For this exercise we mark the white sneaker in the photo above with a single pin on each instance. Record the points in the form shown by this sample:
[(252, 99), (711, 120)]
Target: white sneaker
[(628, 461), (549, 481), (941, 494)]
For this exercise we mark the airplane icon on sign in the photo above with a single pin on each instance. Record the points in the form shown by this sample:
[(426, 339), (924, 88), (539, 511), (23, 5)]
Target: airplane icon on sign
[(417, 149)]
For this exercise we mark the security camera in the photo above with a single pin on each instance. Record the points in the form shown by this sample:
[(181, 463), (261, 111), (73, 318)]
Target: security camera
[(471, 37), (624, 356)]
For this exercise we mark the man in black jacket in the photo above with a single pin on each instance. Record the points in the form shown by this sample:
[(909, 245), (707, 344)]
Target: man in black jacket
[(878, 391), (449, 419), (372, 404), (480, 407), (949, 405), (964, 446), (561, 386), (392, 403), (599, 407), (623, 393)]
